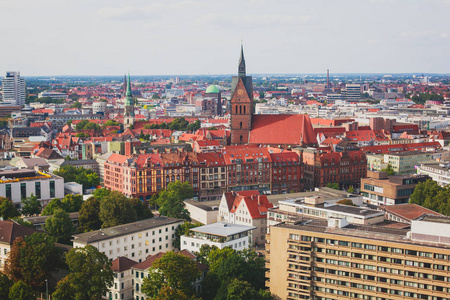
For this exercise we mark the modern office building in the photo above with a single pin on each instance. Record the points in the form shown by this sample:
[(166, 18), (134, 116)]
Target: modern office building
[(17, 184), (380, 189), (438, 171), (330, 259), (135, 240), (13, 88), (353, 92), (402, 162)]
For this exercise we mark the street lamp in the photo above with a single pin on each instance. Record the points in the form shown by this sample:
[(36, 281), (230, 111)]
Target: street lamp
[(46, 289)]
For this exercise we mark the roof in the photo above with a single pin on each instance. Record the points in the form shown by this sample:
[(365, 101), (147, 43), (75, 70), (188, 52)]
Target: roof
[(122, 263), (256, 204), (152, 258), (120, 230), (223, 229), (10, 230), (212, 89), (409, 211), (117, 158), (31, 162), (282, 129)]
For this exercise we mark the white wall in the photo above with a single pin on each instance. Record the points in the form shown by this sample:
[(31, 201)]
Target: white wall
[(193, 244)]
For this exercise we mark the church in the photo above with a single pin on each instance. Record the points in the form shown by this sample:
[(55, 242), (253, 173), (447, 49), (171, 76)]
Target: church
[(282, 131)]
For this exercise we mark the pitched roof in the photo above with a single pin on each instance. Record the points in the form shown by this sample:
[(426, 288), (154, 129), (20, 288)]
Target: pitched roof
[(152, 258), (409, 211), (122, 263), (256, 204), (282, 130), (10, 230)]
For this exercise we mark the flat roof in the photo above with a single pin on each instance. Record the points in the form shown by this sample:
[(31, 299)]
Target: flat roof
[(120, 230), (324, 192), (223, 229)]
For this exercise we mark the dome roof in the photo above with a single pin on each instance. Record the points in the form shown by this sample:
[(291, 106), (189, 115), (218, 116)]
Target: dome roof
[(212, 89)]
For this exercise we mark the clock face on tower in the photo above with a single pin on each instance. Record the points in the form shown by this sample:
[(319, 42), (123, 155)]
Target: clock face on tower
[(240, 92)]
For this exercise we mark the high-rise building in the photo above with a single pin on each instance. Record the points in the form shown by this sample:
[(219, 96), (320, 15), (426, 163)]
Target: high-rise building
[(332, 259), (353, 92), (13, 88)]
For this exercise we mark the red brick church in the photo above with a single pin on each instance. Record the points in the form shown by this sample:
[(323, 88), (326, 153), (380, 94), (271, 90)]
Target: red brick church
[(283, 131)]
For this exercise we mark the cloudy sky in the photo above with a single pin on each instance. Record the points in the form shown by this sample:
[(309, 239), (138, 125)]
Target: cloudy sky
[(162, 37)]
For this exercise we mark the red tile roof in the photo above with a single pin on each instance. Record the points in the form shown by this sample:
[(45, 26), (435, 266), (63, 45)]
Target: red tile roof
[(117, 158), (409, 211), (152, 258), (122, 263), (256, 204), (10, 230), (282, 130)]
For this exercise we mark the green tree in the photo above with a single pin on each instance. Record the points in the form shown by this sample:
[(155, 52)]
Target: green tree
[(5, 285), (89, 215), (21, 291), (171, 200), (389, 170), (100, 193), (7, 209), (31, 206), (88, 178), (183, 229), (64, 290), (333, 185), (33, 260), (240, 289), (112, 123), (60, 226), (51, 206), (172, 271), (351, 189), (76, 105), (80, 125), (141, 209), (72, 203), (116, 209), (423, 190), (91, 273)]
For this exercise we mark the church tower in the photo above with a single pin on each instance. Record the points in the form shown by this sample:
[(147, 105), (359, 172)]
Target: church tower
[(241, 104), (128, 115)]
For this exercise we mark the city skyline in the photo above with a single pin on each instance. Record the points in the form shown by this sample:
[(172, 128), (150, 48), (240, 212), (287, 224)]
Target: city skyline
[(195, 37)]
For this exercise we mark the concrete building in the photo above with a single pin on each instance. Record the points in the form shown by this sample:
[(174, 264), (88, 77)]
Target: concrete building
[(53, 95), (402, 162), (438, 171), (17, 184), (13, 88), (200, 212), (135, 240), (122, 287), (353, 92), (329, 259), (99, 107), (380, 189), (220, 234)]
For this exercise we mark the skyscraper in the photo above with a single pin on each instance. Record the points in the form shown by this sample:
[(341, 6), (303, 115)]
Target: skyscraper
[(13, 88)]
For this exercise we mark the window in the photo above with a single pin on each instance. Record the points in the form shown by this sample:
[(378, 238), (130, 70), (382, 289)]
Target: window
[(23, 190), (8, 191), (37, 187), (52, 189)]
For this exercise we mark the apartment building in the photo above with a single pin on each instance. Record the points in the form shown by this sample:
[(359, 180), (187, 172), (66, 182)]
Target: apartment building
[(329, 259), (213, 176), (287, 172), (17, 184), (135, 240), (9, 231), (403, 163), (122, 287), (380, 189)]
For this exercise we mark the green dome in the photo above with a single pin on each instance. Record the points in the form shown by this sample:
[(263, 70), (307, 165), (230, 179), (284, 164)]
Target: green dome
[(212, 89)]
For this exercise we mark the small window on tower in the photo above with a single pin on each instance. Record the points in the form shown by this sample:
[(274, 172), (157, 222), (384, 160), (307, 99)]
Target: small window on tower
[(240, 125)]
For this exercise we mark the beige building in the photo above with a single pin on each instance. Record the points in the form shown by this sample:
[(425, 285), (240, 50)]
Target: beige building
[(329, 259), (402, 162)]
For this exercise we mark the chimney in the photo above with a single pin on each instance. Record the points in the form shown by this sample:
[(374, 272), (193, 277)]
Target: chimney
[(259, 200)]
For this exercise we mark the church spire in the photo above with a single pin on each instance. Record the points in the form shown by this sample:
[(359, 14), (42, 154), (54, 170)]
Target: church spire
[(241, 72), (128, 95)]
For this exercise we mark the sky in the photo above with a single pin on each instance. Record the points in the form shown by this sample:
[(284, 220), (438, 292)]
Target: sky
[(195, 37)]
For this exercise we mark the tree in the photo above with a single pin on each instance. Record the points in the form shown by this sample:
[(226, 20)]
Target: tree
[(21, 291), (88, 178), (116, 209), (141, 209), (89, 215), (90, 276), (5, 285), (174, 272), (333, 185), (351, 189), (60, 226), (423, 190), (7, 209), (346, 202), (31, 206), (389, 170), (76, 105), (64, 290), (171, 200), (51, 206), (72, 203), (183, 229), (240, 289), (33, 259)]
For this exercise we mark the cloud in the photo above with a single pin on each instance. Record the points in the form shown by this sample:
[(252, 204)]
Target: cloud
[(131, 13)]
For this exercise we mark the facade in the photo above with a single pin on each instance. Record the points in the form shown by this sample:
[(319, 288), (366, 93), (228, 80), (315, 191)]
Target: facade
[(287, 172), (220, 234), (17, 184), (246, 208), (320, 259), (325, 166), (212, 176), (201, 212), (9, 231), (353, 92), (135, 240), (380, 189), (438, 171), (122, 287), (402, 163), (13, 88)]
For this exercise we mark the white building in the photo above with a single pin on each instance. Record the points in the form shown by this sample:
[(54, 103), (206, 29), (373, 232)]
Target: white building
[(203, 213), (218, 234), (135, 240), (438, 171), (13, 88), (122, 287), (99, 107), (353, 92), (17, 184), (53, 95)]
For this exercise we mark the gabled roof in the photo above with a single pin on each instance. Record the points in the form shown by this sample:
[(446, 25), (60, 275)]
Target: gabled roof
[(256, 204), (10, 230), (152, 258), (282, 130), (122, 263)]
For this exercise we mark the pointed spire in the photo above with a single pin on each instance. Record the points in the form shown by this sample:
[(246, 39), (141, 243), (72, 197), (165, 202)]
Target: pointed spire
[(241, 72), (128, 95)]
